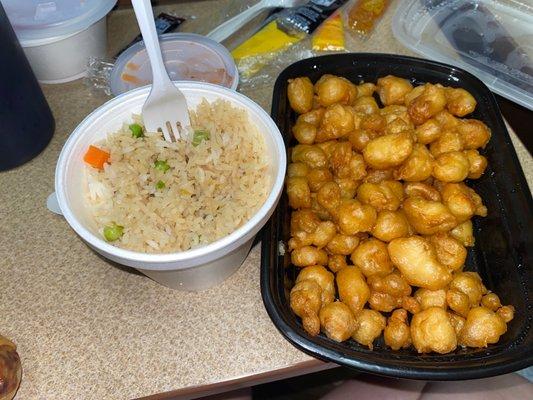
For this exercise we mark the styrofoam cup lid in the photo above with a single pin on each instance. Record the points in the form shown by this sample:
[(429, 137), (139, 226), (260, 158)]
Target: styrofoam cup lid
[(39, 19), (187, 56)]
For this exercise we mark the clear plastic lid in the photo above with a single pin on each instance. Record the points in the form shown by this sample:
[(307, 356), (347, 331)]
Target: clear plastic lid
[(187, 56), (40, 19), (492, 39)]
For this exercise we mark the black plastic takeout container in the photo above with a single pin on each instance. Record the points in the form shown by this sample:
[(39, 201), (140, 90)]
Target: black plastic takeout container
[(504, 241)]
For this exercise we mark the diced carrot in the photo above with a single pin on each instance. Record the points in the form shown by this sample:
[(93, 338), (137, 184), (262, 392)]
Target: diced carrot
[(96, 157), (132, 79)]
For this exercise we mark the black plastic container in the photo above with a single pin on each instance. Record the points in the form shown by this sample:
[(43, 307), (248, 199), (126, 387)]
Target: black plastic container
[(26, 122), (504, 240)]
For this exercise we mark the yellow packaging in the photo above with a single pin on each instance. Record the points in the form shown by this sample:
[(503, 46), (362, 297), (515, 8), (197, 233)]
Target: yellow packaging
[(330, 35), (262, 47)]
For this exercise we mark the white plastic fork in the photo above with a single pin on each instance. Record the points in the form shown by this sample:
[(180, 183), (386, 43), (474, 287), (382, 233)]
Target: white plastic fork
[(165, 108), (226, 29)]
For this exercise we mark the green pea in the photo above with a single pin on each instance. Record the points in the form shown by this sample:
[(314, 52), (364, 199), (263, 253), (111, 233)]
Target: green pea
[(161, 166), (199, 135), (136, 130), (160, 185), (113, 232)]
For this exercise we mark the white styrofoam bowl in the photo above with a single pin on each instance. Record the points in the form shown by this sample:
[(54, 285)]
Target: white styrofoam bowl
[(64, 58), (194, 269)]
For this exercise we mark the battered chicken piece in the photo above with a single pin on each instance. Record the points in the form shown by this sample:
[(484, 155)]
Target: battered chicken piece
[(298, 192), (365, 89), (423, 106), (458, 302), (366, 105), (383, 302), (418, 166), (470, 284), (316, 177), (462, 201), (450, 251), (323, 234), (397, 334), (428, 132), (312, 155), (459, 101), (392, 113), (378, 175), (356, 167), (359, 138), (329, 196), (482, 327), (474, 133), (304, 220), (336, 262), (304, 132), (398, 125), (385, 195), (449, 140), (328, 147), (300, 93), (347, 186), (428, 217), (354, 217), (368, 326), (332, 89), (457, 322), (345, 163), (393, 284), (391, 225), (431, 330), (420, 189), (389, 150), (342, 244), (410, 304), (372, 258), (451, 167), (338, 121), (353, 290), (308, 255), (416, 258), (297, 169), (319, 210), (392, 90), (313, 117), (464, 233), (324, 279), (446, 120), (305, 301), (337, 321), (372, 122), (506, 313), (477, 162), (431, 298), (491, 301)]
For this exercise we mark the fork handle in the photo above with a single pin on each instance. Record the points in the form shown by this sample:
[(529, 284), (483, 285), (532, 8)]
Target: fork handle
[(223, 31), (145, 18)]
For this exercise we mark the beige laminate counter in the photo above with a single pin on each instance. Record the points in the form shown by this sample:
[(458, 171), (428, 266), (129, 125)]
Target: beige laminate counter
[(89, 329)]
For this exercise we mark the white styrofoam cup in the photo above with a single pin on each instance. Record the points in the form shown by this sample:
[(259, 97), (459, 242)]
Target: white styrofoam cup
[(194, 269), (64, 58)]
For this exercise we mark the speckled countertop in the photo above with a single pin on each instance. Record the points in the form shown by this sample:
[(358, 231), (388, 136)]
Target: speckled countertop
[(88, 329)]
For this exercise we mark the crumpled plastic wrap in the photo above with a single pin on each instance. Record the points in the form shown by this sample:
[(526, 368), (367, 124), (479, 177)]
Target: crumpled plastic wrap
[(98, 73), (276, 63)]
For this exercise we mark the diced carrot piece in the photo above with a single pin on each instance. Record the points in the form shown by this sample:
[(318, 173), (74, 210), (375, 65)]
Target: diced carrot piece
[(96, 157)]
